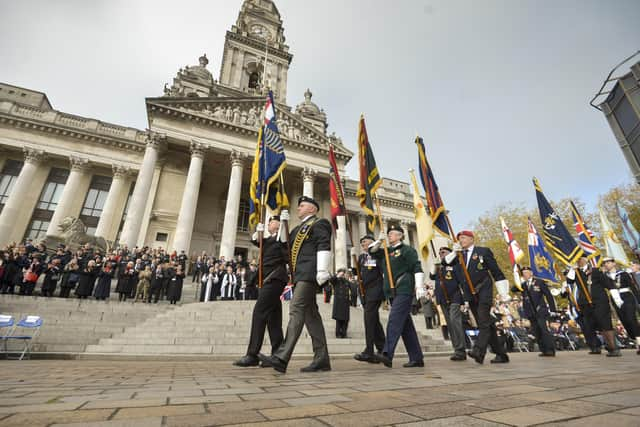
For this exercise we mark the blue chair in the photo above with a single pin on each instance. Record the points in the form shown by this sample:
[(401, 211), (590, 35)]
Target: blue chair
[(7, 325), (26, 331)]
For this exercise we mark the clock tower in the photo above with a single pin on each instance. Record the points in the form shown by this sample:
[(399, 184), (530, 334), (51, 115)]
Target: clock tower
[(257, 39)]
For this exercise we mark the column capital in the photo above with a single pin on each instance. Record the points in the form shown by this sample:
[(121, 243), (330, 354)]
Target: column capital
[(32, 155), (79, 164), (309, 174), (237, 158), (156, 140), (120, 171), (198, 149)]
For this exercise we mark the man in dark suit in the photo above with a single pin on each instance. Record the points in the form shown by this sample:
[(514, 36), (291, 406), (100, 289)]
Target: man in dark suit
[(267, 313), (371, 276), (621, 287), (310, 244), (483, 270), (538, 304)]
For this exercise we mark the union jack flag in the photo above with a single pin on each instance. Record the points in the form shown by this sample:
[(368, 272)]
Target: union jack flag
[(287, 293), (586, 239)]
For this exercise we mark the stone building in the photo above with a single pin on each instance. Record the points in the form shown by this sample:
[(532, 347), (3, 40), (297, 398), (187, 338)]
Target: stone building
[(183, 183)]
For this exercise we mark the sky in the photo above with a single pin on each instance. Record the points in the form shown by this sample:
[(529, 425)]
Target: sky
[(498, 89)]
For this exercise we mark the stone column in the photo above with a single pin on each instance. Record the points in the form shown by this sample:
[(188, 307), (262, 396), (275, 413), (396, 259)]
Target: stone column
[(308, 177), (119, 185), (230, 226), (187, 215), (79, 170), (12, 209), (138, 201), (362, 231)]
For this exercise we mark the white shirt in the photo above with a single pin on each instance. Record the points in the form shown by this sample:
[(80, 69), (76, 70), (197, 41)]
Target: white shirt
[(469, 252)]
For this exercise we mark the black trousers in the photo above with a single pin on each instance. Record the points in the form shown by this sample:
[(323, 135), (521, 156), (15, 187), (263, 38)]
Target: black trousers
[(341, 328), (586, 325), (373, 330), (487, 331), (542, 334), (267, 315), (627, 315)]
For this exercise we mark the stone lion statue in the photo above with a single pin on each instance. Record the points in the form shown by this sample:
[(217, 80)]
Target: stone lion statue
[(73, 235)]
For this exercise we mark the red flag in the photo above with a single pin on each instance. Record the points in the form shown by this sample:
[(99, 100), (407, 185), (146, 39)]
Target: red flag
[(335, 189)]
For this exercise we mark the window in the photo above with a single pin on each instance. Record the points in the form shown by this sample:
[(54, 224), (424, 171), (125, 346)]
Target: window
[(124, 214), (47, 203), (254, 80), (10, 173), (94, 202), (162, 237), (243, 216), (37, 230), (50, 196)]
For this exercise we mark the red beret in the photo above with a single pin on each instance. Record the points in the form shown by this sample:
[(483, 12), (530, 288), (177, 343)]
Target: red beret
[(465, 233)]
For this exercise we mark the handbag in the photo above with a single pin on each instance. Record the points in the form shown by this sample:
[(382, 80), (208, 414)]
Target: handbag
[(30, 276)]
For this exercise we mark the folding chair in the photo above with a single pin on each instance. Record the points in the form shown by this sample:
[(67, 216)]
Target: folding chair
[(472, 334), (28, 323), (7, 325), (521, 345)]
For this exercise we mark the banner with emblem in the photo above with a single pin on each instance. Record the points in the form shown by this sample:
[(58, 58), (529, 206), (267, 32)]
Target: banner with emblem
[(611, 241), (516, 254), (586, 239), (556, 235), (335, 189), (370, 179), (540, 258), (629, 232), (434, 201), (424, 225), (265, 187)]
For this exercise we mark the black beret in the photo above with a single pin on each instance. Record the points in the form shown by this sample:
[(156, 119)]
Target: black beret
[(394, 227), (608, 259), (525, 268), (274, 218), (308, 200), (366, 236), (445, 248)]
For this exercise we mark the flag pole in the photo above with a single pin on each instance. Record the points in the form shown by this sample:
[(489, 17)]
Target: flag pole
[(286, 230), (385, 248)]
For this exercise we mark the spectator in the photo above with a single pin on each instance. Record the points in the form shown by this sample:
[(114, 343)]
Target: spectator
[(86, 281), (174, 291), (70, 278), (51, 277)]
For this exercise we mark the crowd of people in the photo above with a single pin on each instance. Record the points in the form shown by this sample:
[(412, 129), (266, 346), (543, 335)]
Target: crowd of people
[(141, 274)]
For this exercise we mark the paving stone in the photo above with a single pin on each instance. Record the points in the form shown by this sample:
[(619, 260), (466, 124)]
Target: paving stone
[(31, 419), (452, 422), (611, 419), (132, 403), (522, 416), (140, 422), (630, 411), (578, 408), (45, 407), (301, 422), (301, 411), (439, 410), (149, 411), (497, 403), (623, 398), (316, 400), (214, 418), (283, 395), (203, 399), (370, 418)]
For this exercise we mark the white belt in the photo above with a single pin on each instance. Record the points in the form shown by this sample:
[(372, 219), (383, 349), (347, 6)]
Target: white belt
[(623, 290)]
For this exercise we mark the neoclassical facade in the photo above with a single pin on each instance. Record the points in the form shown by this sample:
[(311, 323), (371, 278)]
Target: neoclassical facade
[(183, 183)]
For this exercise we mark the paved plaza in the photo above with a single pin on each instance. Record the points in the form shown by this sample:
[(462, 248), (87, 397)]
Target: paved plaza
[(572, 389)]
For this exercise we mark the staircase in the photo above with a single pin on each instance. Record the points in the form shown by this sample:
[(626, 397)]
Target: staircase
[(221, 329)]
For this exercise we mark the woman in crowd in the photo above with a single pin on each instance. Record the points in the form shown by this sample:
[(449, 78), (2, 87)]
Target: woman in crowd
[(87, 279), (125, 281), (51, 277), (70, 278), (103, 288), (31, 275), (174, 291)]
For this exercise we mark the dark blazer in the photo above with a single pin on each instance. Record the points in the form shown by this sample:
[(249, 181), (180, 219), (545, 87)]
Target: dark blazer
[(318, 239), (372, 277), (536, 298), (274, 260), (448, 279), (483, 270)]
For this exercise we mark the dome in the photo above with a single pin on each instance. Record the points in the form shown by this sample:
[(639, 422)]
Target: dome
[(308, 108)]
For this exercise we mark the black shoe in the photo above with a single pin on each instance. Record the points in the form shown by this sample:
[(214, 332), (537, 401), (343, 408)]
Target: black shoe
[(501, 358), (246, 361), (264, 361), (414, 364), (476, 356), (547, 354), (317, 367), (595, 351), (638, 352), (274, 362), (384, 359), (614, 353), (458, 357), (365, 357)]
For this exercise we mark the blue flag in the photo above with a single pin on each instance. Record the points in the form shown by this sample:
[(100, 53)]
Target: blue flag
[(268, 165), (629, 232), (556, 235), (541, 260), (434, 201)]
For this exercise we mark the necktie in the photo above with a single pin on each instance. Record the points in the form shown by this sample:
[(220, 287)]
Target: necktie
[(466, 253)]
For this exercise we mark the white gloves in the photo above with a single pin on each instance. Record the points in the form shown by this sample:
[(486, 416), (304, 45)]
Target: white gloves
[(465, 307), (260, 228), (565, 287), (282, 231), (284, 215), (375, 246), (503, 288), (432, 270), (448, 258), (571, 275), (457, 247), (419, 285), (352, 253), (615, 295), (323, 275)]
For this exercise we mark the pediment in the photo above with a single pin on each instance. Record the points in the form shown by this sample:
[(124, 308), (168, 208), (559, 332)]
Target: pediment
[(244, 114)]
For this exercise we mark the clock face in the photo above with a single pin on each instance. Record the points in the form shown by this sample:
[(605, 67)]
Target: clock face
[(260, 31)]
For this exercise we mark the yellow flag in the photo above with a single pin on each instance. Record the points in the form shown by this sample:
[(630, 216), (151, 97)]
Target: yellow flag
[(424, 223), (613, 245)]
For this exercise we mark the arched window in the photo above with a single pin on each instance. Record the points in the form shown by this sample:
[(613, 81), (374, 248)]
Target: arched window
[(254, 80)]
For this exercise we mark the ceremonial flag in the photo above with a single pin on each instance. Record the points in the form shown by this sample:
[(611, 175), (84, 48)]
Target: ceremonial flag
[(611, 241), (268, 164), (335, 189), (287, 293), (556, 235), (369, 177), (515, 251), (629, 232), (424, 225), (541, 260), (586, 239), (434, 201)]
